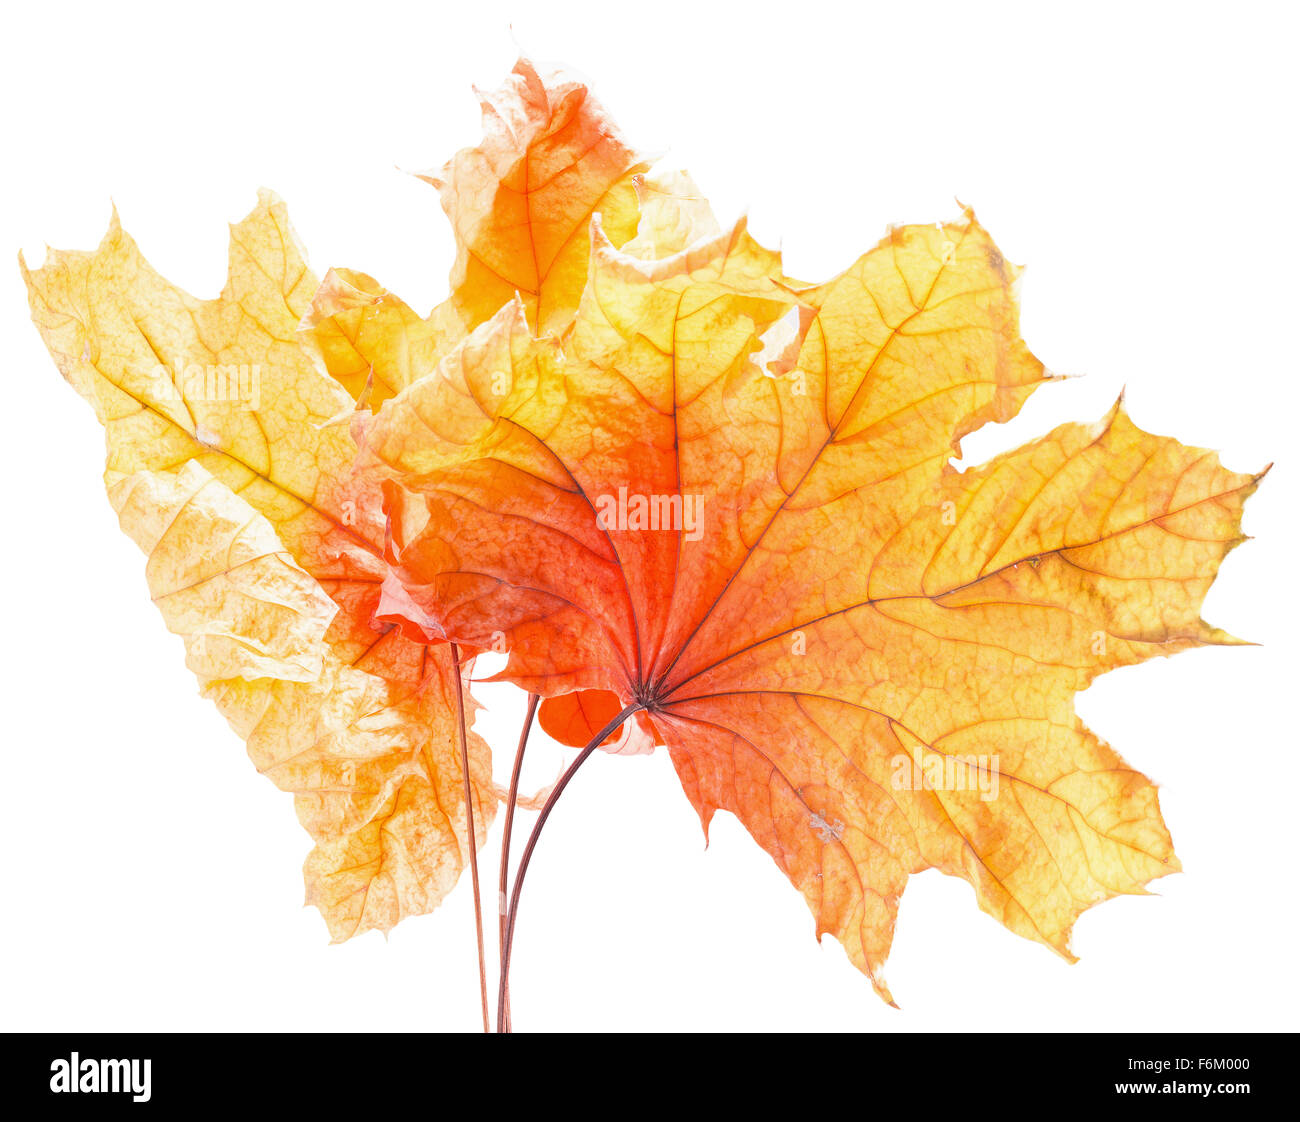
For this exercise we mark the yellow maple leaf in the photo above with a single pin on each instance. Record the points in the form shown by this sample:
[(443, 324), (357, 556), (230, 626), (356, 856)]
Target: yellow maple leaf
[(220, 442)]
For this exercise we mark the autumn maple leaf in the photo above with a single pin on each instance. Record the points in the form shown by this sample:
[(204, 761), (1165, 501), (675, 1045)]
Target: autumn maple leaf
[(724, 504), (225, 466), (700, 504)]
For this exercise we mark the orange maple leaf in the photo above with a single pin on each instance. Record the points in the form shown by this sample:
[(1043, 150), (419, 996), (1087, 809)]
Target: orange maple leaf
[(725, 503), (521, 202)]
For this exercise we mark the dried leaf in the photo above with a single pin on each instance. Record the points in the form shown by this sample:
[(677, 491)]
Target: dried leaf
[(868, 656), (521, 202), (664, 476), (217, 419)]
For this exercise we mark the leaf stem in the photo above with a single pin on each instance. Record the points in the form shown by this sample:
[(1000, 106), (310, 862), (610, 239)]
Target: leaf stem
[(473, 841), (513, 914), (503, 999)]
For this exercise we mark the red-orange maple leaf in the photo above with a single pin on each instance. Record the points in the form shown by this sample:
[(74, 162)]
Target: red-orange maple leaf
[(727, 502)]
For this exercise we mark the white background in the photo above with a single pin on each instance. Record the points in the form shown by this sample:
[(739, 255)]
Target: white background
[(1139, 158)]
